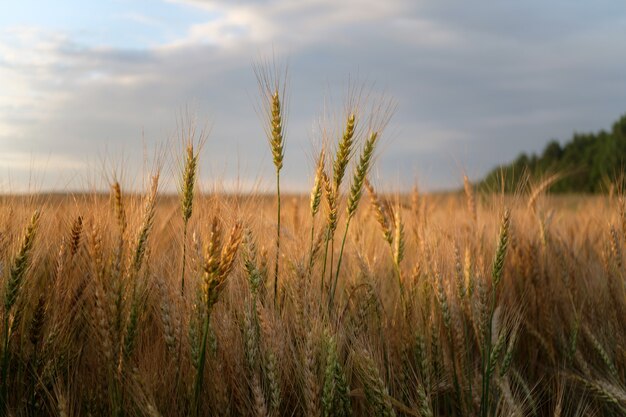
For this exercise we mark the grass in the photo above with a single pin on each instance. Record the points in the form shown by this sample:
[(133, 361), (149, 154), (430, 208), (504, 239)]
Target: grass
[(437, 305)]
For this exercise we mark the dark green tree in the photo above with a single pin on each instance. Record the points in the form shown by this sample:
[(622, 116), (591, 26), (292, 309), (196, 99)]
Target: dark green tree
[(588, 162)]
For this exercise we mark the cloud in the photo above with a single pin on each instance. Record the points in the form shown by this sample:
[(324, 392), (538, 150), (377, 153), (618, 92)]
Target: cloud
[(289, 24), (25, 161), (140, 18), (465, 80)]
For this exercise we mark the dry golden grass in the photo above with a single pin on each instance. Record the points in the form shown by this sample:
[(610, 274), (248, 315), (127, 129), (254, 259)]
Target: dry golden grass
[(433, 305), (95, 321)]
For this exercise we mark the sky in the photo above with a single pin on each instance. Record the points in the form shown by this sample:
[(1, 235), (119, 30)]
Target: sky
[(88, 89)]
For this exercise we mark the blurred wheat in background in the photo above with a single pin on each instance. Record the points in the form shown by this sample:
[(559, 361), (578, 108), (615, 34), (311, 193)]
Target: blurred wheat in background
[(459, 304)]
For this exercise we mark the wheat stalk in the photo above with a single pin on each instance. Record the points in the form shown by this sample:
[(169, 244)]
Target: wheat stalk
[(146, 224), (186, 201), (496, 277), (335, 400), (344, 152), (331, 220), (218, 266), (269, 81), (356, 190), (376, 393), (20, 264), (315, 200), (19, 267), (398, 247), (379, 213), (503, 241), (118, 207)]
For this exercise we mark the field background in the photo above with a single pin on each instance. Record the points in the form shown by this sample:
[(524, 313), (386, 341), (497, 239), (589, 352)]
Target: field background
[(154, 261), (91, 332)]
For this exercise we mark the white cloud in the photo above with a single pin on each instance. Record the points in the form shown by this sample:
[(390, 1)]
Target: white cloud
[(140, 18), (426, 33), (462, 84), (23, 161), (291, 23)]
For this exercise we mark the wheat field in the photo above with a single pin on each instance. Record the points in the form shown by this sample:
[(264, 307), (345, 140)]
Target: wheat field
[(350, 301)]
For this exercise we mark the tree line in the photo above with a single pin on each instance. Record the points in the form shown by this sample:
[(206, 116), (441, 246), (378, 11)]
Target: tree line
[(589, 162)]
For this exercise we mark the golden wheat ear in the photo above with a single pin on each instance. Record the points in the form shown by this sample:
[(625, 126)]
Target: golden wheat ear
[(193, 140), (229, 251), (316, 190), (118, 207), (146, 224), (356, 190), (379, 213), (503, 241), (193, 145), (272, 85), (344, 152), (360, 173), (188, 182)]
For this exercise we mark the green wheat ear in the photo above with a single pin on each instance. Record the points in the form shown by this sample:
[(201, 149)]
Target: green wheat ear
[(356, 190), (335, 392), (376, 392), (20, 263), (344, 152), (146, 224), (193, 145), (360, 173), (276, 141), (379, 213), (503, 242), (189, 181)]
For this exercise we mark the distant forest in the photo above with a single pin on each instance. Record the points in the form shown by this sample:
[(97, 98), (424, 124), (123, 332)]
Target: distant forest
[(588, 162)]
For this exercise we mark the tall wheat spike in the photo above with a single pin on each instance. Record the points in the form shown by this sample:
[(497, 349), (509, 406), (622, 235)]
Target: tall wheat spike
[(118, 207), (503, 241), (379, 213), (75, 235), (335, 400), (20, 265), (138, 257), (186, 201), (277, 152), (376, 392), (273, 96), (395, 238), (344, 151), (146, 224), (331, 221), (356, 190), (398, 246), (315, 200), (529, 324), (218, 265), (496, 277), (333, 190)]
